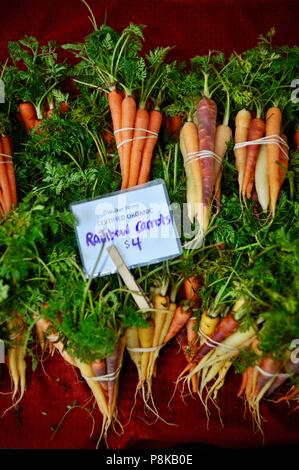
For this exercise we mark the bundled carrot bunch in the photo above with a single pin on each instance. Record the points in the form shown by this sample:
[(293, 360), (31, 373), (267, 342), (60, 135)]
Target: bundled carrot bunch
[(203, 146), (101, 376), (262, 165), (165, 323), (8, 187), (38, 84), (203, 141), (213, 347), (264, 379), (135, 88), (136, 133)]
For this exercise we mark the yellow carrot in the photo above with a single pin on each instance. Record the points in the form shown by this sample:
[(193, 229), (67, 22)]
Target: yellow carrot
[(190, 146), (207, 325), (146, 336), (132, 342)]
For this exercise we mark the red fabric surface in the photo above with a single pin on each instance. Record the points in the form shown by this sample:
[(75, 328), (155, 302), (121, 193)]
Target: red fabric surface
[(52, 390), (194, 27)]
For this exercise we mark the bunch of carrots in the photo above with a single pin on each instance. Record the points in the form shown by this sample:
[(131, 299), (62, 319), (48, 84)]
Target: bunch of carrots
[(261, 167), (167, 319), (263, 379), (203, 146), (101, 376), (136, 133), (8, 187), (31, 117), (134, 85), (216, 343)]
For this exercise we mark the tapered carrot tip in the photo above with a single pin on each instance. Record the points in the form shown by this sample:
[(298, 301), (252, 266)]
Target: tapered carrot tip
[(206, 219)]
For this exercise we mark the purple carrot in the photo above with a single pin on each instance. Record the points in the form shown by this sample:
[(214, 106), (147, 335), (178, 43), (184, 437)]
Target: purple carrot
[(225, 328), (99, 369), (270, 366), (207, 113), (291, 369)]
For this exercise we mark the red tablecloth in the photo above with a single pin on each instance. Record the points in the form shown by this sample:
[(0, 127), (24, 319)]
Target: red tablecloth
[(194, 27), (51, 390)]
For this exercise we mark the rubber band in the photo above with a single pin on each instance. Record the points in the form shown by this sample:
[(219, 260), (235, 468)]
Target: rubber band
[(193, 156), (142, 137), (141, 350), (269, 139), (270, 374), (153, 135), (212, 343), (104, 378), (135, 129)]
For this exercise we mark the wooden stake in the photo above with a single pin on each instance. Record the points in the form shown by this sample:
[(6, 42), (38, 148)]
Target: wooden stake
[(137, 293)]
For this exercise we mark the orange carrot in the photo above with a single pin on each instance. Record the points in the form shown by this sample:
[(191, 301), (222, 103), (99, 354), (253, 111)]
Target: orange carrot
[(243, 384), (180, 318), (173, 125), (64, 107), (10, 170), (273, 126), (256, 131), (155, 121), (128, 110), (4, 183), (242, 122), (1, 209), (192, 285), (192, 333), (141, 122), (184, 344), (115, 104), (28, 115), (249, 388), (292, 394)]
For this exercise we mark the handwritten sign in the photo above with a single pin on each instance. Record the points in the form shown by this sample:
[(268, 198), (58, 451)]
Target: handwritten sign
[(137, 221)]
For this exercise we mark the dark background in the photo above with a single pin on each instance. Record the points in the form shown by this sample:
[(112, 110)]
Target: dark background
[(193, 27)]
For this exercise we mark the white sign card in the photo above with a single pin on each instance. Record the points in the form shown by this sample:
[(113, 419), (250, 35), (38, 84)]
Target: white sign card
[(137, 221)]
